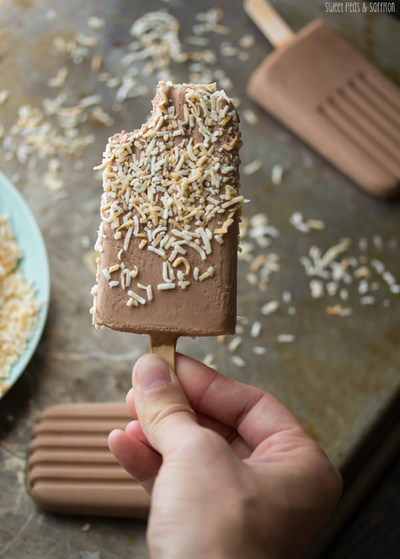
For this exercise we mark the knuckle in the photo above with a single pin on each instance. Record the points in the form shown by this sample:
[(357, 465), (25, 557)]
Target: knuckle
[(160, 415)]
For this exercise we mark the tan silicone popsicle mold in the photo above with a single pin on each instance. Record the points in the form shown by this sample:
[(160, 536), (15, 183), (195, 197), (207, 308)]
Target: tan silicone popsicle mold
[(70, 468), (334, 99)]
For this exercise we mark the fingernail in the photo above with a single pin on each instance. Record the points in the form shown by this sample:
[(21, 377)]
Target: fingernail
[(151, 372)]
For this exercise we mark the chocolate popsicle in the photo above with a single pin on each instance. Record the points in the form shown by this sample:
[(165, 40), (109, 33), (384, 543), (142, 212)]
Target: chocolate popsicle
[(170, 208), (328, 94)]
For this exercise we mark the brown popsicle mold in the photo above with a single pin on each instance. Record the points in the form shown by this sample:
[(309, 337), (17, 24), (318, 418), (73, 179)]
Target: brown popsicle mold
[(70, 469), (328, 94)]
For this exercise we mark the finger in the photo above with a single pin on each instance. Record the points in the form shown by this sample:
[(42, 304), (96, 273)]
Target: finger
[(161, 405), (138, 459), (255, 414), (130, 403), (135, 430), (238, 445)]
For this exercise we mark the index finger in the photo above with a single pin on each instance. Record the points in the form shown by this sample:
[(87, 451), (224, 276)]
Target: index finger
[(255, 414)]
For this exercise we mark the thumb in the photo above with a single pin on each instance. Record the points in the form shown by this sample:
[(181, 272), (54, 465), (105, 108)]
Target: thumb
[(161, 406)]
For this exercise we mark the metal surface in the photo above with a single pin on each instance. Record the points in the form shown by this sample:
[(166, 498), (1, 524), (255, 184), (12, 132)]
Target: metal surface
[(338, 374)]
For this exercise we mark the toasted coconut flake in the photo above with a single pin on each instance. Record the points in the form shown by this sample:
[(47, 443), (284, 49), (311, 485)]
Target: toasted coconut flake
[(235, 343), (253, 167), (238, 361), (270, 307), (3, 96), (166, 286), (286, 338), (256, 328), (276, 174)]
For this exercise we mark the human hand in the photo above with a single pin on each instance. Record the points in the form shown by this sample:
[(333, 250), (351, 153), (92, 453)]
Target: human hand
[(231, 472)]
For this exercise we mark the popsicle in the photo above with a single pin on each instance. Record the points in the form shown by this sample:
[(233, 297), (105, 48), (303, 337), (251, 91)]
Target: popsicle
[(70, 468), (167, 241), (333, 98)]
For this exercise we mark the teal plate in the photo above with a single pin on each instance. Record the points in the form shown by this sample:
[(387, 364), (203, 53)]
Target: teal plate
[(34, 265)]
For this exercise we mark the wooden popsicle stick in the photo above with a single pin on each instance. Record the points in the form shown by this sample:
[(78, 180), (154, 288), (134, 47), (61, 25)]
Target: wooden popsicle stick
[(164, 346), (269, 22)]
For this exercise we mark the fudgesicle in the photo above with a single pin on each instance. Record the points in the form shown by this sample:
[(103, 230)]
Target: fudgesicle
[(167, 241)]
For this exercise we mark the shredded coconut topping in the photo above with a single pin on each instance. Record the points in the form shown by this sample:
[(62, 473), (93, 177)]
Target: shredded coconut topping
[(19, 310)]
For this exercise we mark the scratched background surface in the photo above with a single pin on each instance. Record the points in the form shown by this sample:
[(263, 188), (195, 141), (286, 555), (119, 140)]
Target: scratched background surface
[(339, 375)]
